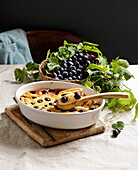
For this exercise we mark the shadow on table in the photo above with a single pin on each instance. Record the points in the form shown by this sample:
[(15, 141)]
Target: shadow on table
[(12, 135)]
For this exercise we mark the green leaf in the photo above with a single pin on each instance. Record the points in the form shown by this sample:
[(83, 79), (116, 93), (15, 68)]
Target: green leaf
[(32, 66), (102, 60), (53, 63), (116, 67), (36, 76), (48, 53), (72, 50), (112, 104), (126, 73), (86, 83), (99, 67), (114, 126), (89, 44), (20, 74), (136, 111), (63, 53), (123, 63), (118, 125)]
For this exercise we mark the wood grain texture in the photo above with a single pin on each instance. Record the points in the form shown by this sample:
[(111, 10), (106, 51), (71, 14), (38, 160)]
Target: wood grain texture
[(46, 136)]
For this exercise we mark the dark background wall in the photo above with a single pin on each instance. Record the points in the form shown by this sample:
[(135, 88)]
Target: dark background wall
[(112, 24)]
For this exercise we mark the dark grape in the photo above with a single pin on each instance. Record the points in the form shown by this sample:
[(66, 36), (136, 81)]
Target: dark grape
[(84, 51), (77, 64), (74, 72), (88, 63), (33, 92), (65, 78), (80, 67), (80, 60), (78, 51), (64, 65), (65, 74), (39, 101), (70, 59), (77, 95), (58, 72), (85, 57), (51, 104), (56, 107), (36, 107), (70, 63), (74, 77), (78, 71), (80, 55), (44, 92), (64, 99), (115, 133), (79, 78), (74, 58), (70, 74), (47, 99), (85, 74), (53, 75), (81, 111), (70, 78), (61, 69), (60, 76)]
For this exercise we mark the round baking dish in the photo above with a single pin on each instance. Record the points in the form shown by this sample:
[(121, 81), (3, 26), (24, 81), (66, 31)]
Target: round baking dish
[(58, 120)]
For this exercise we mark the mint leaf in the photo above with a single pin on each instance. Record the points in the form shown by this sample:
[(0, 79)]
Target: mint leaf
[(136, 111), (53, 63)]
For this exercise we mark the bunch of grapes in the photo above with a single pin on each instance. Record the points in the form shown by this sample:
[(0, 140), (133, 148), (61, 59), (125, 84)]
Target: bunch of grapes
[(74, 67)]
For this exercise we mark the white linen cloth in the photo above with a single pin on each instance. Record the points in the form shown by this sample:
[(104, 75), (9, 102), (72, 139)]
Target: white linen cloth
[(100, 152)]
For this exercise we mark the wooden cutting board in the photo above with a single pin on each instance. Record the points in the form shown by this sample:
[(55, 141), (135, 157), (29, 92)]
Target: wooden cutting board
[(46, 136)]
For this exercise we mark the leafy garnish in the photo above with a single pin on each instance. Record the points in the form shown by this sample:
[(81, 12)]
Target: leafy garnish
[(121, 104), (118, 125), (20, 74), (53, 63), (30, 73)]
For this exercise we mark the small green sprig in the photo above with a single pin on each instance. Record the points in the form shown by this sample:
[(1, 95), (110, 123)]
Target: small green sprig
[(29, 73)]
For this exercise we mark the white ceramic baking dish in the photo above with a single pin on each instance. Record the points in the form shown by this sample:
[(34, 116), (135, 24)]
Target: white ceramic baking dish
[(58, 120)]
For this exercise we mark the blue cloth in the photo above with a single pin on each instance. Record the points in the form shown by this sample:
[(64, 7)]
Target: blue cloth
[(14, 48)]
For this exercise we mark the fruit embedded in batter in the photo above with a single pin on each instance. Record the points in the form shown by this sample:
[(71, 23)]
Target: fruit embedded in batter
[(45, 99)]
